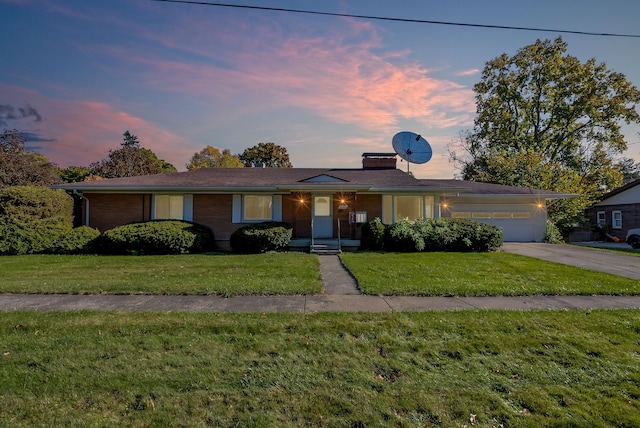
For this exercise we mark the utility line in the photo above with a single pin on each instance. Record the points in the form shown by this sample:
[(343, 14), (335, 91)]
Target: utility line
[(383, 18)]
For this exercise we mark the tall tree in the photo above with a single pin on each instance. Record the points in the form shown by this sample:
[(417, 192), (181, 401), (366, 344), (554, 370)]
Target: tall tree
[(21, 167), (74, 174), (547, 120), (130, 160), (269, 155), (630, 170), (211, 157)]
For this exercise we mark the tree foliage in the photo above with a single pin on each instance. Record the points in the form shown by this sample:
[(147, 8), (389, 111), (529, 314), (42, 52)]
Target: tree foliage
[(547, 120), (21, 167), (32, 219), (74, 174), (211, 157), (630, 170), (130, 160), (269, 155)]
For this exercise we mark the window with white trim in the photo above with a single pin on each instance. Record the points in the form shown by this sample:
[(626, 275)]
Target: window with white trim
[(257, 207), (168, 207), (601, 218), (616, 219), (407, 207)]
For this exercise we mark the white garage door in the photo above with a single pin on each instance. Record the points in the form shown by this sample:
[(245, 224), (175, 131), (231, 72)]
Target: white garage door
[(517, 226)]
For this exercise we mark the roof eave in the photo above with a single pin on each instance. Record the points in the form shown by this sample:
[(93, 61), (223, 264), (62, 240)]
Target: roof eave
[(168, 189), (418, 189), (518, 195)]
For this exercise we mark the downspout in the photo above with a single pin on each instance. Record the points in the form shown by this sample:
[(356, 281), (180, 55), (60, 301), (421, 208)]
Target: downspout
[(86, 207)]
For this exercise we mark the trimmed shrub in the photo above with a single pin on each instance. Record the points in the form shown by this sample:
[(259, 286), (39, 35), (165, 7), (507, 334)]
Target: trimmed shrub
[(157, 237), (33, 219), (552, 234), (373, 235), (262, 237), (468, 235), (442, 234), (403, 236), (80, 240)]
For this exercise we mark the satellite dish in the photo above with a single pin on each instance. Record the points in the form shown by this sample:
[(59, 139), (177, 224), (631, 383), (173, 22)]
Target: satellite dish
[(412, 148)]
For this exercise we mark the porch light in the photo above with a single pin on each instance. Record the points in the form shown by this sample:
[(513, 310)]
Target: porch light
[(343, 205)]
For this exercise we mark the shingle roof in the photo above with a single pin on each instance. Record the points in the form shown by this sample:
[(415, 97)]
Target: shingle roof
[(283, 179), (621, 189)]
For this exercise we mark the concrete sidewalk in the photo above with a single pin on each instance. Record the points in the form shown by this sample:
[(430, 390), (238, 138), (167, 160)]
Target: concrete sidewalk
[(304, 304)]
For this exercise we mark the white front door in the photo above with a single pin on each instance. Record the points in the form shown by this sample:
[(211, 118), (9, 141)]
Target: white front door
[(322, 218)]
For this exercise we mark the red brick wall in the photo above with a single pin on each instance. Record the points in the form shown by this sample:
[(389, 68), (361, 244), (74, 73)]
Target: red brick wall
[(296, 209), (107, 211), (216, 212), (372, 205)]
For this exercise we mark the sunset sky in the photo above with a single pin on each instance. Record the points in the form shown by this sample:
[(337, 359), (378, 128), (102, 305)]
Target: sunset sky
[(76, 74)]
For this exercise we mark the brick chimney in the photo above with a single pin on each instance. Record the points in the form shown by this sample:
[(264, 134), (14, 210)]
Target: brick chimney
[(379, 161)]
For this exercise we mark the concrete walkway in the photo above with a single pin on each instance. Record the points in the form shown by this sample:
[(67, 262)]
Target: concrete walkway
[(304, 304), (341, 293), (336, 279)]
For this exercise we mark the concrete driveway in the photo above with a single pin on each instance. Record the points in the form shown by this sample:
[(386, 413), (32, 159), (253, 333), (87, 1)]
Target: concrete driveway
[(584, 257)]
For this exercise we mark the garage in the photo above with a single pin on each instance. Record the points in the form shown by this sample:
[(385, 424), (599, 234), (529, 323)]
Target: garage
[(518, 222)]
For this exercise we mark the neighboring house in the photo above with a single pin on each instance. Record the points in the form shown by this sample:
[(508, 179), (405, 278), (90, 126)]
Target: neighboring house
[(319, 202), (618, 211)]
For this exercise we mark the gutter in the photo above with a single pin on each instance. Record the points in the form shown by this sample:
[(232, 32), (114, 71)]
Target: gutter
[(86, 207)]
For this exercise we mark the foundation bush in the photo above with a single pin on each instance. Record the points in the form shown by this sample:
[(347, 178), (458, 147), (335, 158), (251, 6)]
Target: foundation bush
[(157, 237), (262, 237)]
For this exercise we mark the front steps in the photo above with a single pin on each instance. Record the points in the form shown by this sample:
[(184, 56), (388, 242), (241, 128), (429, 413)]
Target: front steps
[(324, 245)]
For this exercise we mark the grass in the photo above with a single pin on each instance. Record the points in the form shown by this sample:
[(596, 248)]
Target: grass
[(508, 368), (424, 274), (225, 274), (629, 251), (477, 274)]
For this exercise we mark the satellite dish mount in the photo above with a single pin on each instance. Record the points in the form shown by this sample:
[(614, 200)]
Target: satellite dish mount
[(412, 148)]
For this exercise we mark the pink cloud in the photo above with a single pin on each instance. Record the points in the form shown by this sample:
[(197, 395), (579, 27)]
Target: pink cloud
[(82, 132), (341, 77), (470, 72)]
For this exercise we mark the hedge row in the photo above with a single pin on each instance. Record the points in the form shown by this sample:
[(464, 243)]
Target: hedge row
[(440, 234), (39, 220), (262, 237), (157, 237)]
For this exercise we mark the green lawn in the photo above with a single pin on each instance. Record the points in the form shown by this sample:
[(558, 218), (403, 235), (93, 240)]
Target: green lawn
[(508, 368), (477, 274), (463, 274), (226, 274)]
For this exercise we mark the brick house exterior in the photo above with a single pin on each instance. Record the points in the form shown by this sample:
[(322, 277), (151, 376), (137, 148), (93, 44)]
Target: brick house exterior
[(319, 202), (618, 211)]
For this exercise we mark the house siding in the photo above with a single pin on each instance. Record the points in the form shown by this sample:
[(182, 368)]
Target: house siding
[(107, 211), (630, 218)]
